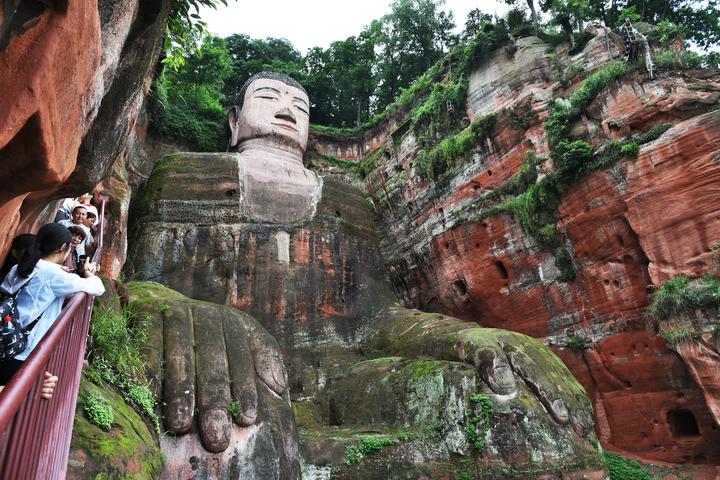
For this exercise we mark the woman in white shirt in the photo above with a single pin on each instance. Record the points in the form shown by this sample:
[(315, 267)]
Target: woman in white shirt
[(45, 284)]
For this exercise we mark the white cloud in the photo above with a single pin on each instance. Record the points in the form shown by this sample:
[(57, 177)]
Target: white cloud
[(316, 23)]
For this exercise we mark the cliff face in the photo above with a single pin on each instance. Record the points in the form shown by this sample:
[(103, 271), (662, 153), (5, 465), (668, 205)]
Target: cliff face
[(452, 245), (66, 115), (317, 286), (311, 284)]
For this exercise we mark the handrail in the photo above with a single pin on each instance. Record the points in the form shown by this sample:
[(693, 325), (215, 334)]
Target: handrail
[(35, 434), (19, 386)]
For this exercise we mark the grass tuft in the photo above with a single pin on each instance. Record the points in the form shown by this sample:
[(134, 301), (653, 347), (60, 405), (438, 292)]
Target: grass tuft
[(681, 294)]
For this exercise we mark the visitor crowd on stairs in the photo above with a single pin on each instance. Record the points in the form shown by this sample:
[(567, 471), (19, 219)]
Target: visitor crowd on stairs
[(43, 333)]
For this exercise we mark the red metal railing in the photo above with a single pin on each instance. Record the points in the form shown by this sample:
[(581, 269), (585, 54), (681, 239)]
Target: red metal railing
[(36, 433)]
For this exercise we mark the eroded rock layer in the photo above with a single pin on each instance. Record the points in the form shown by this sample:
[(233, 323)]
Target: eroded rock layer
[(633, 224), (311, 284)]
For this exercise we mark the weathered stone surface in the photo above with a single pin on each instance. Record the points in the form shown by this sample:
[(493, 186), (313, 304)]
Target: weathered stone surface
[(310, 284), (224, 389), (66, 116), (696, 339), (672, 197), (116, 192), (46, 107), (423, 407), (129, 449), (631, 225), (132, 38)]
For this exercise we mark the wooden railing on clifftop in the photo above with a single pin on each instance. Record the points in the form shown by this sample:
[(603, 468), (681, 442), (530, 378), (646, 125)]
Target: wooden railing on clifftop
[(36, 433)]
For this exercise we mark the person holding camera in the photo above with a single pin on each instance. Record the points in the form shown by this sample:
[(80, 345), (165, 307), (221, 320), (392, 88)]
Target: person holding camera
[(41, 283), (76, 256)]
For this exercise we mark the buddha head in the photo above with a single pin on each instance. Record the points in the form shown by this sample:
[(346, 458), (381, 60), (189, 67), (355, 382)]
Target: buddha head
[(272, 107)]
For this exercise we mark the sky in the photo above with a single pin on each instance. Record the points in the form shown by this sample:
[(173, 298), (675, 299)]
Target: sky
[(317, 23)]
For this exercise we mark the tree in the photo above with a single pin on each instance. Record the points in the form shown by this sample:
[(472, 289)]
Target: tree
[(698, 20), (474, 22), (185, 29), (533, 13), (570, 15), (250, 56), (340, 81), (188, 98), (411, 38)]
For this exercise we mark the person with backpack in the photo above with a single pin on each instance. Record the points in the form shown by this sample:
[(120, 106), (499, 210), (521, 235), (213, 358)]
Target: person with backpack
[(19, 244), (35, 290)]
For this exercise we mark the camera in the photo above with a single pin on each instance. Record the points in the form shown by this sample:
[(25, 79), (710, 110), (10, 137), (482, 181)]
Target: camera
[(80, 264)]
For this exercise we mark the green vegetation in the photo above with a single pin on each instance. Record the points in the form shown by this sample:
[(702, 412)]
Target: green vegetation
[(681, 294), (622, 468), (234, 409), (185, 29), (359, 169), (682, 59), (521, 116), (675, 334), (652, 134), (368, 444), (577, 343), (99, 411), (562, 112), (114, 351), (436, 161), (526, 176), (478, 421), (186, 103), (127, 450), (116, 340)]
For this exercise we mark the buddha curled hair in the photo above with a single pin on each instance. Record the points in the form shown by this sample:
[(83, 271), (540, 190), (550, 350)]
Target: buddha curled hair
[(286, 79), (49, 238)]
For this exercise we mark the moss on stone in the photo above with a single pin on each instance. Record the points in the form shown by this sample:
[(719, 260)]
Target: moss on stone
[(128, 450), (420, 368)]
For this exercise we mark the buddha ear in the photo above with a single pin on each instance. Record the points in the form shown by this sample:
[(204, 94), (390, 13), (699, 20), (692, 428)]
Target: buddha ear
[(233, 120)]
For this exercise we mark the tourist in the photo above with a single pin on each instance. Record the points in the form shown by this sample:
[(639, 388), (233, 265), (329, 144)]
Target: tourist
[(77, 245), (17, 248), (42, 285), (65, 210), (84, 200), (67, 206), (79, 214), (91, 221)]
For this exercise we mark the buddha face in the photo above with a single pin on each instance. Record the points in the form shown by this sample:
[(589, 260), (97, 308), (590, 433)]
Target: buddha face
[(272, 110)]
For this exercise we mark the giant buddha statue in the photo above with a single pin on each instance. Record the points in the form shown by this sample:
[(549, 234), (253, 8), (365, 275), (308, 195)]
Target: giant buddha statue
[(282, 296), (269, 126)]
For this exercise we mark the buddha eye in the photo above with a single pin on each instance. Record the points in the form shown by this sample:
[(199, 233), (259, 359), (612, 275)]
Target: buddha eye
[(266, 97), (301, 109)]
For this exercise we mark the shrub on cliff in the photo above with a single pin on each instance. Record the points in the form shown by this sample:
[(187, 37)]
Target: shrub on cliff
[(681, 294), (99, 411), (438, 159), (563, 111), (114, 350), (622, 468)]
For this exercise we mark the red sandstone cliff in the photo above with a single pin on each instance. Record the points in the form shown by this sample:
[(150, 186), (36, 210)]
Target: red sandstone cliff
[(73, 78), (633, 224)]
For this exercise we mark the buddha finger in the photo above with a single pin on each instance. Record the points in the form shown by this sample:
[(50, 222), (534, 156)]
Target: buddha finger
[(268, 360), (179, 381), (242, 370), (550, 380), (213, 390)]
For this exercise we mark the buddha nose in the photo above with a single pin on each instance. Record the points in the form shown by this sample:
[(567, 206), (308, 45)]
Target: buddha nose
[(286, 114)]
